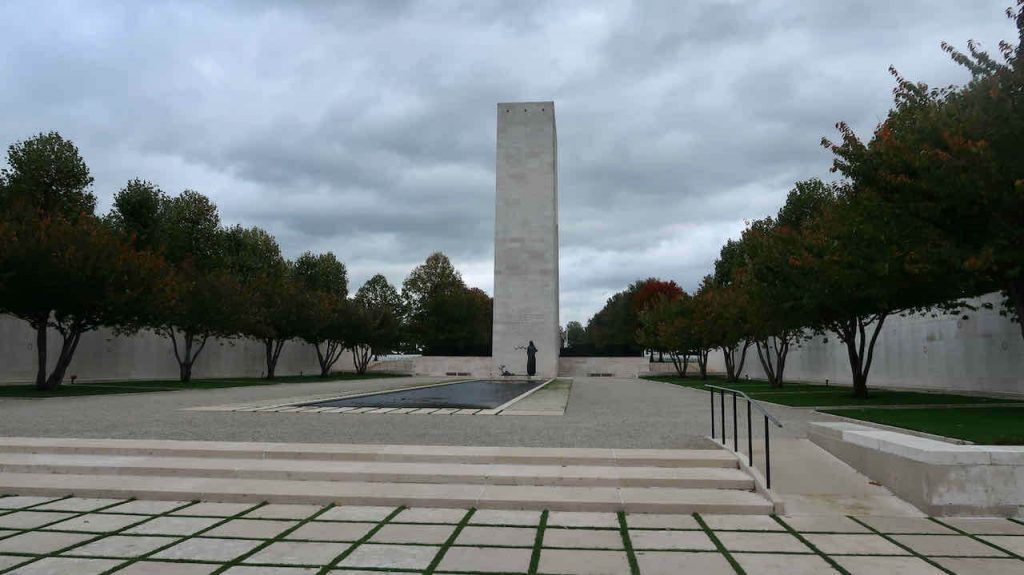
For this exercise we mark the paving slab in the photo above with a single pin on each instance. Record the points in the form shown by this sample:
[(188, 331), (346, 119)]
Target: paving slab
[(584, 562), (98, 522), (396, 533), (210, 509), (146, 507), (77, 504), (669, 562), (22, 501), (767, 542), (889, 566), (8, 561), (578, 538), (42, 542), (208, 549), (78, 566), (391, 556), (985, 525), (122, 546), (978, 566), (486, 560), (282, 511), (906, 525), (430, 515), (660, 521), (741, 522), (783, 564), (331, 531), (355, 513), (501, 536), (582, 519), (665, 540), (173, 525), (247, 570), (1014, 544), (298, 553), (824, 524), (31, 519), (849, 544), (505, 517), (251, 528), (163, 568), (955, 545)]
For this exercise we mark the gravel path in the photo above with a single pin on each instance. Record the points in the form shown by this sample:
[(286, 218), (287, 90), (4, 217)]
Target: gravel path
[(625, 413)]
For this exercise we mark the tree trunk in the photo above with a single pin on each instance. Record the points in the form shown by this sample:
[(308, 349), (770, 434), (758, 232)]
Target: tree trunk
[(329, 356), (772, 352), (860, 347), (730, 369), (40, 325), (734, 368), (273, 348), (188, 359), (702, 361), (67, 353), (681, 362), (1016, 294), (361, 355), (743, 358)]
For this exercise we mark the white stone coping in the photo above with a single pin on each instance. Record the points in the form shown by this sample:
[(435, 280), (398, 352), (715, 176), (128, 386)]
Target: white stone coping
[(921, 448)]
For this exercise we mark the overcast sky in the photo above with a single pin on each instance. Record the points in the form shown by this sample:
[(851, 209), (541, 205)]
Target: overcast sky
[(368, 129)]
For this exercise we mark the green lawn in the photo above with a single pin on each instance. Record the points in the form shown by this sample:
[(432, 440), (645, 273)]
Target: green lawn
[(116, 387), (804, 395), (984, 425)]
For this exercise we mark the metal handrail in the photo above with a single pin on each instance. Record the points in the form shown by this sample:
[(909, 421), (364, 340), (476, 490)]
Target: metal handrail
[(756, 403), (735, 427)]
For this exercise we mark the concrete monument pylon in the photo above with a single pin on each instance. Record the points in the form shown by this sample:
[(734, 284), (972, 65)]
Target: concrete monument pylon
[(526, 239)]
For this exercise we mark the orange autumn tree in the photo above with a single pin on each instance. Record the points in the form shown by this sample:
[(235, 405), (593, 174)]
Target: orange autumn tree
[(949, 162)]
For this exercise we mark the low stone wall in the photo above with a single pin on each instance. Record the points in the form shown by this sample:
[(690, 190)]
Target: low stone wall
[(602, 366), (453, 365), (715, 366), (939, 478), (983, 354), (102, 355)]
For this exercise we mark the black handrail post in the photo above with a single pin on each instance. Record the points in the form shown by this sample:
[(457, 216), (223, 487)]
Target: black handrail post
[(712, 413), (767, 456), (735, 435), (750, 438), (723, 416)]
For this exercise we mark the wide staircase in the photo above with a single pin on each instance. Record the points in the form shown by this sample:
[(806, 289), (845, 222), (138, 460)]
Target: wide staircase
[(575, 479)]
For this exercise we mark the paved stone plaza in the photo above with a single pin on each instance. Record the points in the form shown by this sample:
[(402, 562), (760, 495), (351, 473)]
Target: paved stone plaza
[(98, 536), (601, 412)]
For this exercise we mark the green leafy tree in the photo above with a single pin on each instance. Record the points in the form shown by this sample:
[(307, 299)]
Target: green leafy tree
[(444, 316), (948, 162), (254, 260), (382, 306), (137, 212), (46, 177), (62, 268), (75, 276), (575, 334), (666, 323), (323, 281)]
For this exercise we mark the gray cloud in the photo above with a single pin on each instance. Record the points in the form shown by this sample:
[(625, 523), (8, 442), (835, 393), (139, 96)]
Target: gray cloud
[(368, 128)]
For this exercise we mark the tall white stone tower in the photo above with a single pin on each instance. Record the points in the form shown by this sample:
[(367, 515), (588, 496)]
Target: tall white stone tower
[(526, 238)]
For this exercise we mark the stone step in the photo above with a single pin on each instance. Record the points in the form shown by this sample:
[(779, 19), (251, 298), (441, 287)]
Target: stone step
[(377, 471), (561, 498), (705, 458)]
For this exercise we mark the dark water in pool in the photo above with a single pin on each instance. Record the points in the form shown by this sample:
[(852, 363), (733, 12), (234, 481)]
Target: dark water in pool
[(478, 394)]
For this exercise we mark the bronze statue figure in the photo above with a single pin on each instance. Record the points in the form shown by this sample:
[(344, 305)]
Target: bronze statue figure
[(531, 359)]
